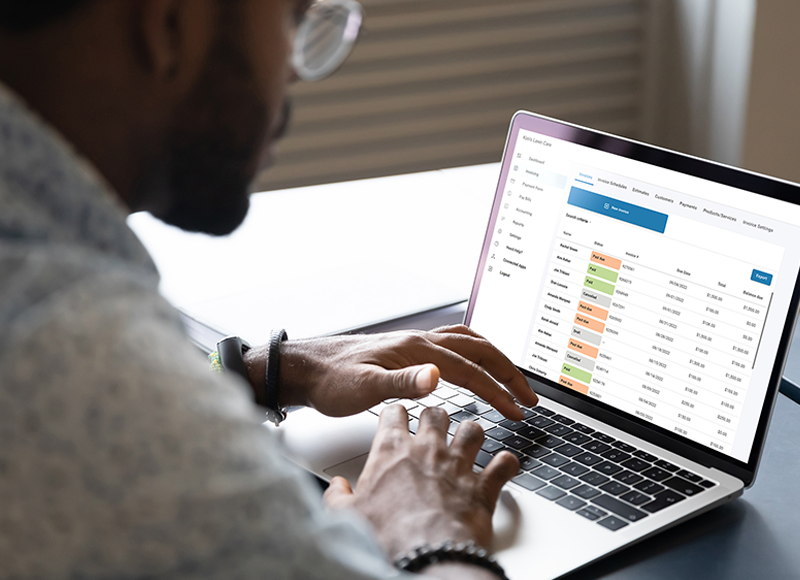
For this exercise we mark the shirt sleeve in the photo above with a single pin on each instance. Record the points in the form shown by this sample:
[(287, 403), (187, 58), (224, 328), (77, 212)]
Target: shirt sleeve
[(126, 457)]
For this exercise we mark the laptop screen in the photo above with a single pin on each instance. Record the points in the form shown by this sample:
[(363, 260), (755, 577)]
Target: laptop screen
[(657, 292)]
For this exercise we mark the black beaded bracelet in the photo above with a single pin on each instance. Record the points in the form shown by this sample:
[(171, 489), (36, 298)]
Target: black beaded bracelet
[(465, 552)]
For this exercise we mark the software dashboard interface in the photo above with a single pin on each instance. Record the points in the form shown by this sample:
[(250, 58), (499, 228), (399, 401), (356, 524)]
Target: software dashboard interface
[(658, 293)]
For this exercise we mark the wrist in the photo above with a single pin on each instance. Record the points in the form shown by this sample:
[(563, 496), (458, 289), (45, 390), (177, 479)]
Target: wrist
[(458, 571), (290, 388), (464, 555)]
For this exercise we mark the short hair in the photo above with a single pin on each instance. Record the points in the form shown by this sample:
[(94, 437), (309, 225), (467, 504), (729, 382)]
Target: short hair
[(26, 15)]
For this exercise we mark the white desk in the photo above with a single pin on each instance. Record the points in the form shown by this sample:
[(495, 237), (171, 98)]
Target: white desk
[(324, 259)]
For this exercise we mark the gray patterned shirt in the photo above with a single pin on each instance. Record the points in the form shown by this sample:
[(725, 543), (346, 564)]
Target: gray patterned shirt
[(121, 455)]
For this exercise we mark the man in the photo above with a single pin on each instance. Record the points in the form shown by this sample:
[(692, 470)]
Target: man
[(121, 454)]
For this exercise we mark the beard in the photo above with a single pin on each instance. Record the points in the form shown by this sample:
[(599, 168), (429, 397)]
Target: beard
[(215, 144)]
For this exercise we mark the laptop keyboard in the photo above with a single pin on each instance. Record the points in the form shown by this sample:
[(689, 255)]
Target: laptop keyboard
[(582, 470)]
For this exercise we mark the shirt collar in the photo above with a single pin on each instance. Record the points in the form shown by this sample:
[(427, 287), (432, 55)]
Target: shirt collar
[(50, 193)]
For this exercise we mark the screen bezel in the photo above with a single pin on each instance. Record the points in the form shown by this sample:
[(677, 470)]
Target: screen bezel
[(693, 166)]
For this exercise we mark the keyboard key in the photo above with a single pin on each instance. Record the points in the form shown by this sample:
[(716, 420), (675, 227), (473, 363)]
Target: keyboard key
[(528, 463), (596, 446), (604, 438), (618, 507), (551, 442), (499, 433), (477, 408), (666, 465), (593, 511), (451, 428), (463, 416), (491, 446), (622, 446), (628, 477), (555, 459), (706, 484), (460, 400), (569, 450), (540, 422), (430, 401), (529, 482), (689, 476), (635, 497), (527, 413), (413, 426), (551, 493), (615, 488), (485, 425), (571, 503), (616, 455), (645, 455), (586, 492), (517, 442), (612, 523), (565, 482), (681, 485), (574, 469), (635, 464), (559, 430), (588, 458), (582, 428), (531, 432), (545, 472), (656, 474), (587, 514), (515, 452), (663, 500), (493, 416), (512, 425), (607, 468), (483, 458), (544, 411), (537, 451), (577, 438), (563, 419), (449, 409), (445, 392), (649, 487), (415, 412), (594, 478)]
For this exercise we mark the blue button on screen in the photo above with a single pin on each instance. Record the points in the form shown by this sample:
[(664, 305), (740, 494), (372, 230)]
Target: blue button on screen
[(761, 277), (618, 209)]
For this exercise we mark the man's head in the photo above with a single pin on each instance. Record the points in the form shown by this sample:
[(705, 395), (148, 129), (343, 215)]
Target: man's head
[(177, 102)]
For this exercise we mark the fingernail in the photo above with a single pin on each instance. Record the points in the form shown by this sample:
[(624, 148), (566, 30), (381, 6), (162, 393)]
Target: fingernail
[(426, 379)]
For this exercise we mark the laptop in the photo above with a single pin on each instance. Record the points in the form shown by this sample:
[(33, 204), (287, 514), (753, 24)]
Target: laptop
[(650, 299)]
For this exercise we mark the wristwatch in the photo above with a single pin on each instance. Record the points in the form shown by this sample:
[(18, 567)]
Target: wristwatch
[(231, 351)]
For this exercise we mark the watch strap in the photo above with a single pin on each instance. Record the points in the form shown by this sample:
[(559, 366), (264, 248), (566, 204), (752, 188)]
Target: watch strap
[(231, 351)]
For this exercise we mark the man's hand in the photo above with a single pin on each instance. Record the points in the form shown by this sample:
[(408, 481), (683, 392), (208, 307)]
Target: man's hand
[(419, 490), (344, 375)]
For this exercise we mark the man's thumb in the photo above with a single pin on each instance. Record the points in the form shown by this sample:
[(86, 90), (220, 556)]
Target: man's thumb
[(339, 494), (412, 382)]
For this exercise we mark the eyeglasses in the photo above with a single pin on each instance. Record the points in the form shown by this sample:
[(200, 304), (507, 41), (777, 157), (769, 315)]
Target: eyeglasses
[(326, 37)]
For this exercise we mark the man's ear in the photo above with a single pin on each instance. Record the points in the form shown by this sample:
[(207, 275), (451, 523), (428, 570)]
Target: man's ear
[(174, 37)]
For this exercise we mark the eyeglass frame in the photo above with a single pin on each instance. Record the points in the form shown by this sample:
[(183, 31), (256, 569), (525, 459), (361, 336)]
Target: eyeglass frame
[(350, 34)]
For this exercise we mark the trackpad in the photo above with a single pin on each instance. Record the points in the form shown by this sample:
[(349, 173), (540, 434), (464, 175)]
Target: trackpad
[(350, 469)]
